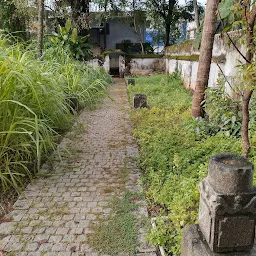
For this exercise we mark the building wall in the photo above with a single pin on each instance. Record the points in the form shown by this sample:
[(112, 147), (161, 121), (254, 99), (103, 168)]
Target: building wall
[(152, 64), (225, 57), (118, 32)]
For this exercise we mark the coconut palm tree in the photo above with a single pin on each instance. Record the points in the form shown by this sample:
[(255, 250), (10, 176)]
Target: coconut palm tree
[(205, 58)]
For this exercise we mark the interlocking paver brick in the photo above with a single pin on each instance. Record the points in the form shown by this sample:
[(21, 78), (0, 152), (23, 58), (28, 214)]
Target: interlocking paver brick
[(58, 247), (62, 231), (55, 239), (53, 216), (31, 247)]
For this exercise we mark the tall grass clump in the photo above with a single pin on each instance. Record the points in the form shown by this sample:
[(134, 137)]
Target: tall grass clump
[(34, 106), (173, 157)]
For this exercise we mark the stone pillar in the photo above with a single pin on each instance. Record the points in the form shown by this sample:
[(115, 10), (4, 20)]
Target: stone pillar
[(140, 101), (227, 210), (106, 64), (131, 81), (121, 66)]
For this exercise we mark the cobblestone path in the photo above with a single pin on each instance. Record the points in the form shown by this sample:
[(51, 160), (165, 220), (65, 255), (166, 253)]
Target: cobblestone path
[(52, 217)]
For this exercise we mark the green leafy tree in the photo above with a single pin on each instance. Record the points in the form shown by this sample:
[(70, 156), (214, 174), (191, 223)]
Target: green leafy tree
[(240, 16), (12, 18), (136, 16), (169, 13), (246, 11), (80, 13), (74, 44)]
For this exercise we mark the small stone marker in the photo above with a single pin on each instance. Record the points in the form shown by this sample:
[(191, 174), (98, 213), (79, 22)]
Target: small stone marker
[(73, 102), (140, 101), (131, 81), (227, 213)]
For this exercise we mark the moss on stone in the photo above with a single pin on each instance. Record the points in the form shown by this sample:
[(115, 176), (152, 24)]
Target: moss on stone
[(193, 57), (219, 59), (145, 56), (186, 46), (113, 52)]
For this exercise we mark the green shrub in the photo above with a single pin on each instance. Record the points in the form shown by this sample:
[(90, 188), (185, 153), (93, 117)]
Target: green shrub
[(33, 105), (174, 158), (75, 45)]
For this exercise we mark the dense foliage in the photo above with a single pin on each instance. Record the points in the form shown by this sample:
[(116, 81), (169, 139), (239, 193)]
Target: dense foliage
[(174, 154), (75, 45), (13, 18), (35, 105)]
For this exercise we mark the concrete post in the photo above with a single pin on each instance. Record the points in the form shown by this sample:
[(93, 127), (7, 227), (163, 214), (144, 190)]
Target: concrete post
[(131, 81), (140, 101), (227, 212)]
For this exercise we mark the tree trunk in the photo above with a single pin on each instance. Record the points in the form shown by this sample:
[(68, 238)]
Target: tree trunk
[(248, 94), (245, 123), (205, 57), (138, 35), (196, 14), (105, 35), (167, 31), (40, 27)]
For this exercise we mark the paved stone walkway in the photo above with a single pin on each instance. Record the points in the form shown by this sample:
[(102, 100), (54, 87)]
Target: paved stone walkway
[(53, 215)]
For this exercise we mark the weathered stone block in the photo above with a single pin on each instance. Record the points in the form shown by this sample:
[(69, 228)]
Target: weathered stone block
[(230, 174), (227, 211), (131, 81), (140, 101)]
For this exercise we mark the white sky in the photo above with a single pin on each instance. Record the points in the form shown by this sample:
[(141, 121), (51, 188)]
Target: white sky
[(49, 2), (203, 2)]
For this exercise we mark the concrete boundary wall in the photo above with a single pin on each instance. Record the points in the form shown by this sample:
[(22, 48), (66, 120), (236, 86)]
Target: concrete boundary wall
[(136, 66), (225, 57), (151, 64)]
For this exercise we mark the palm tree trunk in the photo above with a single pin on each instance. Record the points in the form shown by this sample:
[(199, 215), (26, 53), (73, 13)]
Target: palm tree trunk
[(205, 57), (40, 28)]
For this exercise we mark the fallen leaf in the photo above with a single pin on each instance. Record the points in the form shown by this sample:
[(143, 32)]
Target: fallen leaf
[(3, 252), (133, 200), (6, 220), (42, 241)]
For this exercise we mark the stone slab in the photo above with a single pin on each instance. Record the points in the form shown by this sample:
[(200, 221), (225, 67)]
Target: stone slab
[(140, 101)]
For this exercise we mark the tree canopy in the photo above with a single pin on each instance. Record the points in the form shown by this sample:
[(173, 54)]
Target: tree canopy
[(170, 14)]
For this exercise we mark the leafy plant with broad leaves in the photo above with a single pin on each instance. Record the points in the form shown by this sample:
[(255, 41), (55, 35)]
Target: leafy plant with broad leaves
[(228, 117), (68, 38), (228, 18)]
